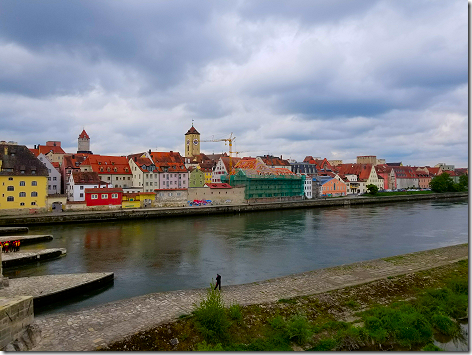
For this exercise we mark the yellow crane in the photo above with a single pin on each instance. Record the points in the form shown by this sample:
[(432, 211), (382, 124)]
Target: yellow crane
[(229, 140)]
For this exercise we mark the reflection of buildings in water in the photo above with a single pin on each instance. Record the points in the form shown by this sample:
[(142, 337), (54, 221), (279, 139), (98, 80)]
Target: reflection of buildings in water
[(105, 248)]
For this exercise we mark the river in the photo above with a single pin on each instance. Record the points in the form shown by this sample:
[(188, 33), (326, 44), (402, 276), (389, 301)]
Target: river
[(186, 252)]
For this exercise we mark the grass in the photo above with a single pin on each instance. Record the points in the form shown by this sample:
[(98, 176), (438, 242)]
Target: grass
[(393, 193), (381, 319)]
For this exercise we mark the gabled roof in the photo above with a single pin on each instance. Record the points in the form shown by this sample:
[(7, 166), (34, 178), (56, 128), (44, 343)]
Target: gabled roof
[(361, 170), (45, 149), (192, 130), (168, 161), (383, 169), (274, 161), (84, 135), (19, 160), (86, 178), (255, 166), (434, 171), (107, 164), (143, 163), (405, 172), (73, 161), (234, 161)]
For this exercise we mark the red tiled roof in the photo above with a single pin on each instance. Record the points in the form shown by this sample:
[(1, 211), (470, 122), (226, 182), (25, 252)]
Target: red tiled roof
[(73, 161), (45, 149), (86, 177), (361, 170), (173, 161), (55, 164), (84, 135), (219, 186), (254, 166), (192, 130), (433, 171), (234, 161), (170, 189), (274, 161), (405, 172), (105, 164)]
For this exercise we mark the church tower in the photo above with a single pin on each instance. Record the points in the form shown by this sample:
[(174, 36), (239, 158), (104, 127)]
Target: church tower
[(83, 145), (192, 142)]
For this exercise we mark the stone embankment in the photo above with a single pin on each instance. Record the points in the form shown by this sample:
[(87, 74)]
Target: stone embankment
[(93, 328), (21, 258), (76, 217)]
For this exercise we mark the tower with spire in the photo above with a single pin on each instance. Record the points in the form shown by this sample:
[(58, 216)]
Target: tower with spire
[(192, 142), (83, 145)]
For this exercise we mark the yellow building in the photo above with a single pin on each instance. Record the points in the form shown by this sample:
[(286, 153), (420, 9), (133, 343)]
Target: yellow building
[(192, 142), (23, 179)]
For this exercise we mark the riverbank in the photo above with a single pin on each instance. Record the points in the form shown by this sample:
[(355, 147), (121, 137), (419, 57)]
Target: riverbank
[(97, 327), (149, 213)]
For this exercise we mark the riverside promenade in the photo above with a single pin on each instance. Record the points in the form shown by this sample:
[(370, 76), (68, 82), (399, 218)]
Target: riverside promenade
[(95, 327)]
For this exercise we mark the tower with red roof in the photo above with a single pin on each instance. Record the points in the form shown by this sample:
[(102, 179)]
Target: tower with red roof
[(83, 145)]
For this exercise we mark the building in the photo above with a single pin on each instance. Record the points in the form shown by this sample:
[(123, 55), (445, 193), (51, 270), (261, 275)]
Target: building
[(192, 142), (405, 177), (54, 178), (111, 169), (52, 150), (83, 143), (443, 166), (367, 159), (145, 173), (70, 163), (331, 187), (384, 171), (79, 181), (196, 178), (223, 167), (358, 176), (172, 173), (335, 162), (264, 184), (23, 178), (424, 178), (106, 197)]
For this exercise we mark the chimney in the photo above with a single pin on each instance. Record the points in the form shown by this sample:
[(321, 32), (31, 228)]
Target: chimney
[(149, 151), (135, 159), (73, 156)]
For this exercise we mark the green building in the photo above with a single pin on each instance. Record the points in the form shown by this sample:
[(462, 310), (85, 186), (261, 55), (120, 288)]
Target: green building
[(196, 178)]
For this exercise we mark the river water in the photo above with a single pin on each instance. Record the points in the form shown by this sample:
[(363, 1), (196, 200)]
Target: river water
[(186, 252)]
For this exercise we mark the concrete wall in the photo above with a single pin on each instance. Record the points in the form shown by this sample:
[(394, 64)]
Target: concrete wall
[(16, 314), (232, 196)]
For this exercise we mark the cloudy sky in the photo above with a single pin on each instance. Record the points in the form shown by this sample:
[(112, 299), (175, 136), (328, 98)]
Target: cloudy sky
[(332, 79)]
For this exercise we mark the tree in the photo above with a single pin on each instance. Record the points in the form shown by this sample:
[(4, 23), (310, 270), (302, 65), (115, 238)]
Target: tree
[(464, 182), (372, 189), (442, 183)]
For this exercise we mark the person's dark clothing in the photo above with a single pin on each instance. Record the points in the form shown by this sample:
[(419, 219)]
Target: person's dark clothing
[(218, 281)]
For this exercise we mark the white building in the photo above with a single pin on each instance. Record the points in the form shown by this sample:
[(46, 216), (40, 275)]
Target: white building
[(79, 181), (54, 178)]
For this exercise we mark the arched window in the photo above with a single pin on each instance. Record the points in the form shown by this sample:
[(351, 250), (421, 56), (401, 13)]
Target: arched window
[(34, 194), (10, 198)]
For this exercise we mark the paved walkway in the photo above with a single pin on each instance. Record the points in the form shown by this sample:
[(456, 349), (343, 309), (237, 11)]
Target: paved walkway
[(94, 327)]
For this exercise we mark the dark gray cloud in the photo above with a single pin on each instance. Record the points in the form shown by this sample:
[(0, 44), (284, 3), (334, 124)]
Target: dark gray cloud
[(325, 78)]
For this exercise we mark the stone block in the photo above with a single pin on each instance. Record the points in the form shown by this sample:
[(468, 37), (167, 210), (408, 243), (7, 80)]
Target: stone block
[(9, 348)]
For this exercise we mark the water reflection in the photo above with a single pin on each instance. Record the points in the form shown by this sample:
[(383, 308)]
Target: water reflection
[(183, 253)]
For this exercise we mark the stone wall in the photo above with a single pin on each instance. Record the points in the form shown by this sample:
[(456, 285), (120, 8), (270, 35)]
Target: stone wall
[(76, 217), (16, 314)]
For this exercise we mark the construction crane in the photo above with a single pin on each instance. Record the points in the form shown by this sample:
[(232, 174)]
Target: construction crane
[(229, 140)]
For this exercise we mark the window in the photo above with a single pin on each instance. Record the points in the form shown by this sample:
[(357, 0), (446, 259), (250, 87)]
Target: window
[(54, 178), (34, 194), (114, 195), (49, 187), (10, 198), (22, 183), (81, 195), (10, 188), (10, 178), (34, 183), (54, 187), (94, 196), (22, 204), (104, 196), (33, 203), (22, 194)]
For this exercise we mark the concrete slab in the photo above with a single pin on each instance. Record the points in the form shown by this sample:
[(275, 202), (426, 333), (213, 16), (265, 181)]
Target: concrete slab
[(27, 239), (8, 230), (21, 258), (49, 288)]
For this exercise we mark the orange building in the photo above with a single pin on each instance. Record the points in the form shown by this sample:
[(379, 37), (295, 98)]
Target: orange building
[(332, 187)]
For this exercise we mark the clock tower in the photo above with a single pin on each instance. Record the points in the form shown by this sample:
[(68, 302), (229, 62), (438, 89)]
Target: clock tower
[(192, 142)]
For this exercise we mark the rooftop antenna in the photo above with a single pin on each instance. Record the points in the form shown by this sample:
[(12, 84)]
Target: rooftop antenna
[(192, 122)]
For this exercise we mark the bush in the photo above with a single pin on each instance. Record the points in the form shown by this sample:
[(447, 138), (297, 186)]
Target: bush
[(210, 316), (203, 346), (299, 329), (234, 313), (372, 189)]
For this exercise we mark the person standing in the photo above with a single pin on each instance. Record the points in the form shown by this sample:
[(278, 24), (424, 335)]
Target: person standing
[(218, 282)]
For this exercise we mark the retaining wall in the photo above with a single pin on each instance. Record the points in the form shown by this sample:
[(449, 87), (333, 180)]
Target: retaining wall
[(77, 217), (16, 314)]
